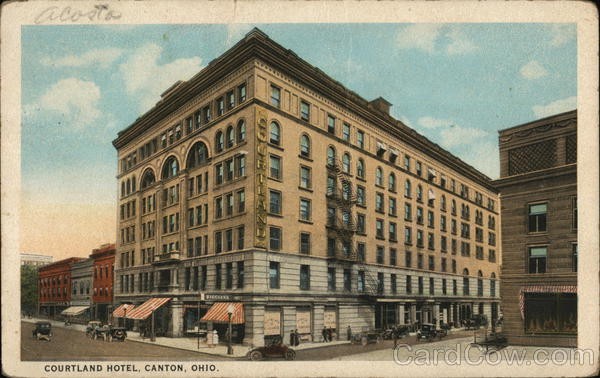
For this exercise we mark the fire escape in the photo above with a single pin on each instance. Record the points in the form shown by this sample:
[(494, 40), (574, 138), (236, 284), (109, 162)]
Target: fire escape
[(344, 225)]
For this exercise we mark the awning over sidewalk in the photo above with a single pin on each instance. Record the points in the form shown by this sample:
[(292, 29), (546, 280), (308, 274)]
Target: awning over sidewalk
[(146, 309), (218, 313), (120, 311), (74, 310), (543, 289)]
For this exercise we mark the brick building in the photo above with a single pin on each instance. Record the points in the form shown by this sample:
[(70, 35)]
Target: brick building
[(538, 185), (263, 182), (54, 283), (103, 279)]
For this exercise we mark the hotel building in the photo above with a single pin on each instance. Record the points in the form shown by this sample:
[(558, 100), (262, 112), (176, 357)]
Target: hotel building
[(265, 183), (538, 185)]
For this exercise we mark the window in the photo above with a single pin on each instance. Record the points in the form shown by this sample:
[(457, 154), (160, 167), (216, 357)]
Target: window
[(242, 92), (393, 284), (240, 274), (380, 283), (229, 204), (230, 100), (228, 275), (330, 156), (304, 146), (431, 263), (331, 279), (275, 96), (218, 242), (361, 251), (408, 285), (305, 209), (304, 277), (537, 217), (420, 261), (407, 235), (360, 138), (220, 106), (361, 280), (275, 238), (537, 259), (454, 287), (274, 134), (241, 165), (431, 286), (274, 202), (330, 124), (419, 193), (273, 275), (419, 168), (419, 215), (219, 141), (305, 243), (197, 156), (305, 177), (275, 167), (347, 279), (550, 313), (392, 206), (393, 255), (444, 264), (360, 168), (379, 256), (444, 286), (393, 232), (230, 137), (574, 209), (379, 202), (171, 168), (346, 132), (379, 228), (360, 196), (379, 177), (479, 284), (430, 218), (392, 182), (466, 282), (419, 238), (240, 238), (219, 173), (218, 275), (305, 111), (241, 131), (574, 257), (407, 189), (420, 283)]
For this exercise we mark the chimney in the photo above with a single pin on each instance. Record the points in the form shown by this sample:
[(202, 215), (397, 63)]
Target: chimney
[(381, 104)]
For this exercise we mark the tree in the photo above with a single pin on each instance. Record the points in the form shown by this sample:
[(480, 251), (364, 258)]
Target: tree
[(29, 289)]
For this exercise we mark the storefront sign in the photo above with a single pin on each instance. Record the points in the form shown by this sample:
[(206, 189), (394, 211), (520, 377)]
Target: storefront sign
[(303, 321), (261, 179), (329, 319), (272, 323)]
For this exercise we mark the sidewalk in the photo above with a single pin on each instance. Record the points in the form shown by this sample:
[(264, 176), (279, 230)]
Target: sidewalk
[(189, 343)]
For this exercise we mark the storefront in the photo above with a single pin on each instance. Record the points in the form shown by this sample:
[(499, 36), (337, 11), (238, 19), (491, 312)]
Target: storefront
[(548, 310)]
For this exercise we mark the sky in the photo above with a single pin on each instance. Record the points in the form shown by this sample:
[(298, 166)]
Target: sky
[(457, 84)]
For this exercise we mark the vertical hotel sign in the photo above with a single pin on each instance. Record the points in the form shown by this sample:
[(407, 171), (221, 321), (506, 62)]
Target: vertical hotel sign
[(260, 178)]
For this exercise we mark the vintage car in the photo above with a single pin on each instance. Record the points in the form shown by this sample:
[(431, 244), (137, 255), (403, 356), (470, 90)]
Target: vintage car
[(90, 329), (428, 332), (42, 330), (367, 337), (117, 333), (275, 349), (395, 332)]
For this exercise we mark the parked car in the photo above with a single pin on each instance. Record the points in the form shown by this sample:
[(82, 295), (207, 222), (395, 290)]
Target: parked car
[(367, 337), (42, 330), (275, 349), (117, 333), (90, 329), (429, 332), (400, 332)]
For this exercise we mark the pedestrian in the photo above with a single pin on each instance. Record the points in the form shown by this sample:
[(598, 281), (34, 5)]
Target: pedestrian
[(324, 334), (330, 334), (296, 338), (395, 333), (349, 333), (292, 338)]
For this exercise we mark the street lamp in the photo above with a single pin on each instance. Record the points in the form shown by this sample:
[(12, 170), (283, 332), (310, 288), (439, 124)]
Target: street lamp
[(230, 310)]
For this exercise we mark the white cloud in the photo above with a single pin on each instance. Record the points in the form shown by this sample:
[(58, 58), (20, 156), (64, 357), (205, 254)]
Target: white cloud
[(457, 135), (101, 57), (434, 123), (419, 36), (561, 34), (459, 43), (146, 78), (433, 38), (555, 107), (533, 70), (484, 156), (75, 101)]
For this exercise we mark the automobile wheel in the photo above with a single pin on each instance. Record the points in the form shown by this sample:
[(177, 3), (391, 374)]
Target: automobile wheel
[(255, 355), (290, 355), (364, 341)]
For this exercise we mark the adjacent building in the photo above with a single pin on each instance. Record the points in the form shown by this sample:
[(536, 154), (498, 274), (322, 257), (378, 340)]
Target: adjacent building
[(81, 283), (54, 284), (264, 183), (538, 185), (103, 277), (34, 259)]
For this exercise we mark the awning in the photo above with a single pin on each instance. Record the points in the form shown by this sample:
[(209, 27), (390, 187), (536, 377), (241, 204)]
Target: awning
[(218, 313), (381, 146), (144, 310), (120, 311), (543, 289), (74, 310)]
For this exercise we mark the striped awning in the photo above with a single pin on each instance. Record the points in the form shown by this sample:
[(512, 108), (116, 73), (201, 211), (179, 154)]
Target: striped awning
[(74, 310), (144, 310), (218, 313), (543, 289), (120, 311)]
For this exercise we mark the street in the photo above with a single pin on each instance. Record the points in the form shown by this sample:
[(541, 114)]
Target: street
[(73, 345)]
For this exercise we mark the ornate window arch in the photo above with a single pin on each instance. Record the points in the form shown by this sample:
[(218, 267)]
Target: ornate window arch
[(241, 130), (197, 156), (170, 168), (360, 168), (275, 133), (304, 145), (331, 156), (392, 182), (230, 136), (148, 178), (219, 141), (346, 162)]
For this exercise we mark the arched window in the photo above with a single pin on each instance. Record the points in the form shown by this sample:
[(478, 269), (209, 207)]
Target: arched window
[(123, 188), (219, 141), (346, 162), (241, 131), (419, 192), (407, 188), (392, 182), (171, 168), (465, 281), (197, 156), (360, 168), (148, 178), (133, 184), (304, 145), (330, 156), (443, 202), (230, 137), (128, 186), (379, 176), (275, 133)]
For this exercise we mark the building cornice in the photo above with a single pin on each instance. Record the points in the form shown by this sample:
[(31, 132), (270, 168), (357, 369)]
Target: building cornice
[(545, 174)]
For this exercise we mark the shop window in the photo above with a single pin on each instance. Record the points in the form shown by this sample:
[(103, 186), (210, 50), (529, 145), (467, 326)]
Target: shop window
[(550, 313)]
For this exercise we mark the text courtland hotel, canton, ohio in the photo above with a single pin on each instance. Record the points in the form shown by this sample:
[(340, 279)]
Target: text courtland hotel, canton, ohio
[(264, 187)]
